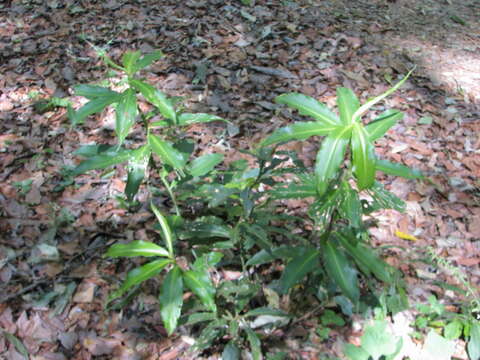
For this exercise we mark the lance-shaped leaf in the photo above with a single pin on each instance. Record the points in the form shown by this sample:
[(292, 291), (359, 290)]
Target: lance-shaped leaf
[(171, 299), (157, 98), (384, 199), (188, 119), (473, 346), (363, 157), (94, 106), (204, 164), (330, 157), (350, 206), (200, 284), (340, 269), (282, 252), (103, 160), (129, 59), (93, 91), (255, 343), (299, 131), (293, 191), (136, 248), (126, 113), (167, 153), (378, 127), (202, 230), (257, 234), (365, 107), (266, 311), (137, 166), (324, 207), (147, 59), (166, 231), (297, 269), (93, 150), (139, 275), (307, 105), (365, 257), (397, 169), (347, 103)]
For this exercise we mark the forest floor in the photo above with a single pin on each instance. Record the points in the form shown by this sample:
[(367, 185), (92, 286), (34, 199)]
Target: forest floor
[(230, 60)]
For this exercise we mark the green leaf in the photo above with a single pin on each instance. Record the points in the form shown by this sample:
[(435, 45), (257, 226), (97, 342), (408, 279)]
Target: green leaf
[(258, 235), (330, 157), (139, 275), (437, 347), (350, 207), (384, 199), (299, 131), (171, 299), (365, 107), (307, 105), (355, 353), (94, 106), (166, 231), (347, 103), (365, 257), (329, 317), (453, 330), (293, 191), (231, 351), (266, 311), (340, 269), (204, 230), (199, 317), (126, 112), (297, 268), (137, 167), (129, 59), (282, 252), (157, 98), (136, 248), (473, 345), (93, 91), (188, 119), (17, 343), (201, 285), (207, 261), (92, 150), (255, 344), (324, 207), (204, 164), (378, 342), (147, 59), (167, 153), (378, 127), (363, 157), (103, 161), (397, 169)]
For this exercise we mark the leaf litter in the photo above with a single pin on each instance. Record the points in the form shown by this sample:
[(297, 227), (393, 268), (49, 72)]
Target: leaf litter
[(232, 62)]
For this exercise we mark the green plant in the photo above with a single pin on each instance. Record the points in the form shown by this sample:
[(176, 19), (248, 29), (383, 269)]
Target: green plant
[(229, 216), (197, 278), (171, 147), (453, 324), (377, 343), (235, 322), (340, 238), (328, 319)]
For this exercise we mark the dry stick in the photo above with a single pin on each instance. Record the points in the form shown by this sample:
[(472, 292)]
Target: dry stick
[(307, 315)]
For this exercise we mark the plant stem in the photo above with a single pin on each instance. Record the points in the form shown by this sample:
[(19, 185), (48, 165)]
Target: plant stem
[(171, 194)]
